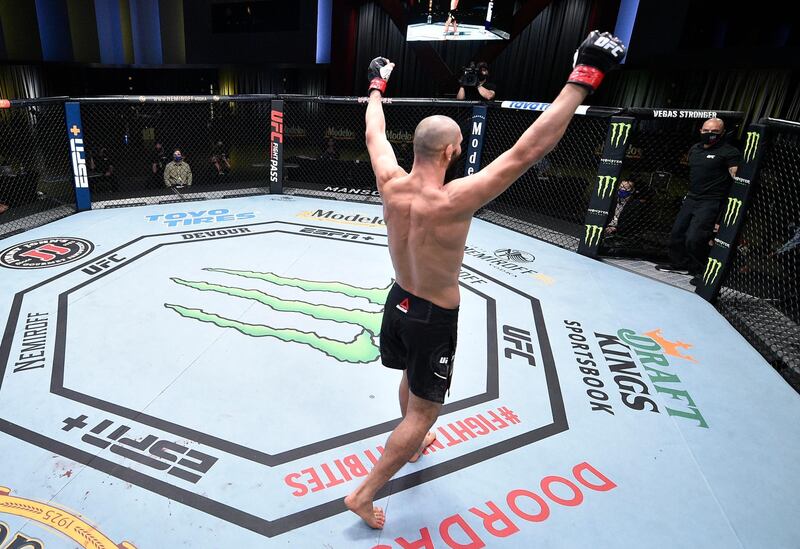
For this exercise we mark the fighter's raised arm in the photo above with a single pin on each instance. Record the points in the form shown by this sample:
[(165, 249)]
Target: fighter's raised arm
[(427, 222), (598, 54), (381, 154)]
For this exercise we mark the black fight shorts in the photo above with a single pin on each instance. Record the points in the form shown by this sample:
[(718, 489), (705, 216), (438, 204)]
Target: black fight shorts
[(419, 337)]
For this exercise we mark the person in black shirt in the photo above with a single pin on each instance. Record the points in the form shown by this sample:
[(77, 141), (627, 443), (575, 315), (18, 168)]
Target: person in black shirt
[(158, 163), (476, 87), (102, 165), (330, 153), (220, 158), (712, 167)]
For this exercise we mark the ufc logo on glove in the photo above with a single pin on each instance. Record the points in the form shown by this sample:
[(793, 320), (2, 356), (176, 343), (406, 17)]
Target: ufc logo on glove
[(606, 43)]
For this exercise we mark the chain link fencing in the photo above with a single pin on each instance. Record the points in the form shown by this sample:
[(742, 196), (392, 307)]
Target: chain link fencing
[(549, 201), (325, 149), (656, 168), (36, 184), (760, 296), (130, 146)]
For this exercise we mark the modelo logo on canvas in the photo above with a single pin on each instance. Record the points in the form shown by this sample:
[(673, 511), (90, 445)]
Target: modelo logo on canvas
[(220, 215), (344, 219), (45, 252)]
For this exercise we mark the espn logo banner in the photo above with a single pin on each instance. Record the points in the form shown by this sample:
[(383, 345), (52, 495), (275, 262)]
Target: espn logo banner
[(77, 155)]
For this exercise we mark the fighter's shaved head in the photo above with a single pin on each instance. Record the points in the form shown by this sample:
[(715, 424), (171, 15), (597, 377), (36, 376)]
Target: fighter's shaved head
[(434, 134), (714, 125)]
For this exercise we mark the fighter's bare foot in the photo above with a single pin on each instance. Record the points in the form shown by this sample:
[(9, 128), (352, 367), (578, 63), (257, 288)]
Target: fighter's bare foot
[(373, 516), (429, 439)]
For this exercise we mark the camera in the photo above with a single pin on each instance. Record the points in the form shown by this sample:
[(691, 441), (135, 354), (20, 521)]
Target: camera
[(470, 77)]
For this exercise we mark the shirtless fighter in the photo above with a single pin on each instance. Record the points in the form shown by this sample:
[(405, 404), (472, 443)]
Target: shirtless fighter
[(427, 224)]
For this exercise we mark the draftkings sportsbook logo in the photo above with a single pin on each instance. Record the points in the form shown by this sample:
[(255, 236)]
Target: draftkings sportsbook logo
[(593, 233), (751, 146), (713, 267), (363, 349), (619, 133), (605, 185), (732, 211)]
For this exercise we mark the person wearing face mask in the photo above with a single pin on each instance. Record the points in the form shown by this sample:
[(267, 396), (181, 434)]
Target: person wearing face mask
[(477, 87), (624, 195), (712, 167), (177, 173)]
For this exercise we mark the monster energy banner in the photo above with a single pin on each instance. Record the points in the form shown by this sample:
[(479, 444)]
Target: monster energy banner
[(733, 213), (604, 187)]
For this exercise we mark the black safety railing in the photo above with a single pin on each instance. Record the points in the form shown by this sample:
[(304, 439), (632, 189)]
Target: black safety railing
[(58, 156)]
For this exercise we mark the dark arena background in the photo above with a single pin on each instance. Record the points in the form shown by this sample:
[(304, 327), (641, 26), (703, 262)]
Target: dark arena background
[(191, 351)]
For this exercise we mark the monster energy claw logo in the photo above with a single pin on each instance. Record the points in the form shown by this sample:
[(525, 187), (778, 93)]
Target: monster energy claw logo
[(605, 184), (593, 233), (619, 131), (712, 270), (732, 211), (361, 350), (751, 146)]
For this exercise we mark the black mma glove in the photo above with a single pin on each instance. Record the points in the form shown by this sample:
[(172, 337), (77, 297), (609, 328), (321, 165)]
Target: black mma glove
[(378, 74), (597, 55)]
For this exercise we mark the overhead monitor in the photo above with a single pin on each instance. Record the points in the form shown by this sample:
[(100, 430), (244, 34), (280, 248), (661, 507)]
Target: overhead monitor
[(459, 20)]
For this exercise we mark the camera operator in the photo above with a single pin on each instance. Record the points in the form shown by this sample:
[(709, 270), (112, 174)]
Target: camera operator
[(475, 84)]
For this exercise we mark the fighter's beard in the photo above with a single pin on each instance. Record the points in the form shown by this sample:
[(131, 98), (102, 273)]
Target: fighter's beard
[(452, 170)]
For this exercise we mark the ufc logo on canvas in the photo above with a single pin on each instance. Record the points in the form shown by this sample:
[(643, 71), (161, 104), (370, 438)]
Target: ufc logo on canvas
[(607, 44)]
